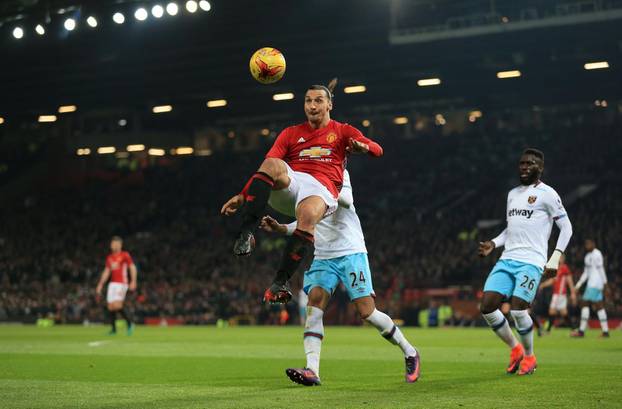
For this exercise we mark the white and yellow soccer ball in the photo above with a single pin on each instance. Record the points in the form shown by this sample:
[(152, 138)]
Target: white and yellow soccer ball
[(267, 65)]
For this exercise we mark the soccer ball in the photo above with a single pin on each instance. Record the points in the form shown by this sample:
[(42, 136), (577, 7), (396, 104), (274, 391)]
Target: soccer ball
[(267, 65)]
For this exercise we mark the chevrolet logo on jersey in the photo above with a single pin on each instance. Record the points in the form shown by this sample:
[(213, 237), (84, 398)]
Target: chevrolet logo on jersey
[(315, 152)]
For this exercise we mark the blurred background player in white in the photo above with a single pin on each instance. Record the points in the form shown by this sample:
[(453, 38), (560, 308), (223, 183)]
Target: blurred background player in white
[(340, 256), (559, 300), (118, 263), (532, 208), (594, 274)]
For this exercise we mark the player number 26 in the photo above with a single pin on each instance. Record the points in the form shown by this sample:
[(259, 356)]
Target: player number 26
[(527, 283)]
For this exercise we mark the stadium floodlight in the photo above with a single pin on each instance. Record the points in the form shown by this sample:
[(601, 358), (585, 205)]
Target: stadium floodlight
[(400, 120), (172, 9), (599, 65), (69, 24), (141, 14), (184, 150), (157, 11), (265, 132), (205, 5), (162, 108), (91, 21), (426, 82), (118, 18), (18, 32), (135, 148), (103, 150), (366, 123), (508, 74), (283, 97), (156, 152), (122, 122), (64, 109), (354, 89), (83, 151), (40, 30), (192, 6), (1, 120), (47, 118), (217, 103)]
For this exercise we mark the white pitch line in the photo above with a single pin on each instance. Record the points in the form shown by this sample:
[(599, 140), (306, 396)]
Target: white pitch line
[(98, 343)]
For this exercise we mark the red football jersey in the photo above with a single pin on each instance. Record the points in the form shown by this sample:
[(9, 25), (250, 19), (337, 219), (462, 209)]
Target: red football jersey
[(118, 264), (319, 152), (559, 285)]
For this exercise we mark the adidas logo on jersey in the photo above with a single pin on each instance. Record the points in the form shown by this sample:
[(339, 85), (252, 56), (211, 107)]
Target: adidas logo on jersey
[(301, 140)]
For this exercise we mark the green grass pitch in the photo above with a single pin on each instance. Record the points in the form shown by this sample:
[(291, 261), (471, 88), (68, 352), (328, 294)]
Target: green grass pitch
[(243, 367)]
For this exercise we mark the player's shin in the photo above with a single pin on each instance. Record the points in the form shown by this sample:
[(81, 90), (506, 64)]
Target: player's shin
[(524, 327), (256, 194), (113, 320), (313, 336), (585, 316), (391, 332), (501, 327), (125, 316), (298, 246), (602, 317)]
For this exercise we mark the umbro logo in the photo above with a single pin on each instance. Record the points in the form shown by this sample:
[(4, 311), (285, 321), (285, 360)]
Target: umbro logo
[(301, 140)]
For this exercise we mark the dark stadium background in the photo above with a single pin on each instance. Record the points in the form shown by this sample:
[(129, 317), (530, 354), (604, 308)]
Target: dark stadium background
[(438, 190)]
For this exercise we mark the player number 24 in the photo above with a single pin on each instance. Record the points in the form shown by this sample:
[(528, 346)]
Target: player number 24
[(361, 278), (530, 284)]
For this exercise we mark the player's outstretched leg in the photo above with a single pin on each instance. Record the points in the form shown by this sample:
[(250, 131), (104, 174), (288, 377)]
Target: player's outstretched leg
[(496, 320), (313, 336), (524, 327), (256, 194), (389, 331), (298, 246)]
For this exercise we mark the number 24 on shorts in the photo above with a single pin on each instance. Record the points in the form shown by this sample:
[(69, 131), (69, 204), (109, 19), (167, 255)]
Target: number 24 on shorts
[(361, 278)]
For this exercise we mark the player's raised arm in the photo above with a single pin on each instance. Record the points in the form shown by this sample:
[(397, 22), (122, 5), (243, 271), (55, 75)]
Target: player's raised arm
[(357, 143)]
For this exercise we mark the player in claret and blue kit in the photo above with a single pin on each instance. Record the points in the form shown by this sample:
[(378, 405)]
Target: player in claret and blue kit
[(532, 208)]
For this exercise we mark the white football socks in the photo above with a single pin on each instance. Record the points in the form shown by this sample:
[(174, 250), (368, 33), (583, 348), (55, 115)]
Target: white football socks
[(602, 316), (391, 332), (500, 326), (585, 315), (524, 327), (313, 335)]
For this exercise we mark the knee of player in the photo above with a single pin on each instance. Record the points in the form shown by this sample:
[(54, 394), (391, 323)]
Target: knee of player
[(272, 166), (487, 307)]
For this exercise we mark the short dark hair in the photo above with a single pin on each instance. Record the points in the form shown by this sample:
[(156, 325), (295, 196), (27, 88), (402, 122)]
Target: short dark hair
[(116, 238), (535, 152), (327, 89)]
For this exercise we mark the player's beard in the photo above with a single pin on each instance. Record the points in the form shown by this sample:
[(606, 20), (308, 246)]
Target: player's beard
[(530, 179)]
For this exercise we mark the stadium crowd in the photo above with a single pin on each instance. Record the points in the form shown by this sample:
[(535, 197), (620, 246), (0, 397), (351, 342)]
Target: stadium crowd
[(424, 207)]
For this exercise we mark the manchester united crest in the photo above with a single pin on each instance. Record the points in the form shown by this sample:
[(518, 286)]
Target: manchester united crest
[(532, 199), (331, 137)]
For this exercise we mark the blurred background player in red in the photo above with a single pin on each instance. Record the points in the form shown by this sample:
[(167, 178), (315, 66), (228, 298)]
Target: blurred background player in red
[(559, 300), (301, 176), (118, 263)]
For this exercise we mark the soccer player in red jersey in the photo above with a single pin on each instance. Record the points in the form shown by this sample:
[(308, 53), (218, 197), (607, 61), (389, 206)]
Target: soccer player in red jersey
[(118, 263), (559, 300), (301, 176)]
